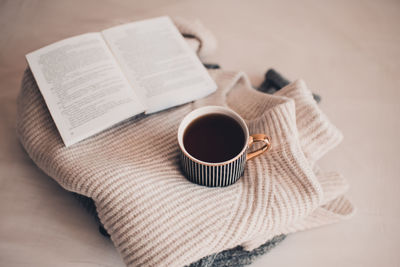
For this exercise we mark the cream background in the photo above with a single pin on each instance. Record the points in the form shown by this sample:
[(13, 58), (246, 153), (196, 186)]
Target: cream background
[(347, 51)]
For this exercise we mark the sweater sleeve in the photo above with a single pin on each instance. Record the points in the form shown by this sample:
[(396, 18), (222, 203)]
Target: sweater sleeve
[(316, 133)]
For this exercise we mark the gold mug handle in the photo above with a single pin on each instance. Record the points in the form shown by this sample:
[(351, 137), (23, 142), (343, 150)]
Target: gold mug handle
[(255, 138)]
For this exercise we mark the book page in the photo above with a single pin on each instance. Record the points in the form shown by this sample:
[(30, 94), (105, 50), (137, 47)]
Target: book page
[(159, 64), (82, 86)]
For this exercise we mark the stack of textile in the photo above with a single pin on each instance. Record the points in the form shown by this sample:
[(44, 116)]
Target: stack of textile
[(154, 216)]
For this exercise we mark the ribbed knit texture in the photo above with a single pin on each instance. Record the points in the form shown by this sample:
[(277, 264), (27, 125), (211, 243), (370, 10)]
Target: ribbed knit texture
[(154, 215), (235, 257)]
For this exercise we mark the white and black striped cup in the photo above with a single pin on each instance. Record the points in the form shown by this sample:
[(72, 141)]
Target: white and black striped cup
[(221, 173)]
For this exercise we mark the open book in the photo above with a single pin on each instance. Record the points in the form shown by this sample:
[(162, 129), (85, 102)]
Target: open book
[(95, 80)]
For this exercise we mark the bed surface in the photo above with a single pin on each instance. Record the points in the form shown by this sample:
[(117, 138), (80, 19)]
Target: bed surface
[(348, 52)]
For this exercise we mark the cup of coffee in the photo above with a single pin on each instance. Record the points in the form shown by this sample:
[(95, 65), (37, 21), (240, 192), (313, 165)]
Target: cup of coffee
[(214, 143)]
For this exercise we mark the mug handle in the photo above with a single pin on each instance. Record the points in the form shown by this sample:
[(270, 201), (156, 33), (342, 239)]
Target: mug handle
[(254, 138)]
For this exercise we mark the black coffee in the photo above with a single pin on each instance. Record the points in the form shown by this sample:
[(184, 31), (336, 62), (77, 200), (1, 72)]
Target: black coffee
[(214, 138)]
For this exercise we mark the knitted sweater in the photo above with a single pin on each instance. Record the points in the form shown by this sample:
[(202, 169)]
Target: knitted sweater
[(154, 215)]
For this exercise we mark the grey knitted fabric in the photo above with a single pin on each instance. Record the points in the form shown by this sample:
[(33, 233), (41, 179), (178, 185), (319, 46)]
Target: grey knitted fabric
[(237, 256)]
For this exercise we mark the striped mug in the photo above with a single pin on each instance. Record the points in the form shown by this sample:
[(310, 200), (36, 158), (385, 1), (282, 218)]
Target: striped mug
[(218, 174)]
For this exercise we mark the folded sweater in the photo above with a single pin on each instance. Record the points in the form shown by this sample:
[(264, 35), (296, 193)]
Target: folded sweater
[(156, 217)]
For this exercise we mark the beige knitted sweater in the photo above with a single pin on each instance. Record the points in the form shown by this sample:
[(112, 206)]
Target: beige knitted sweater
[(154, 215)]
